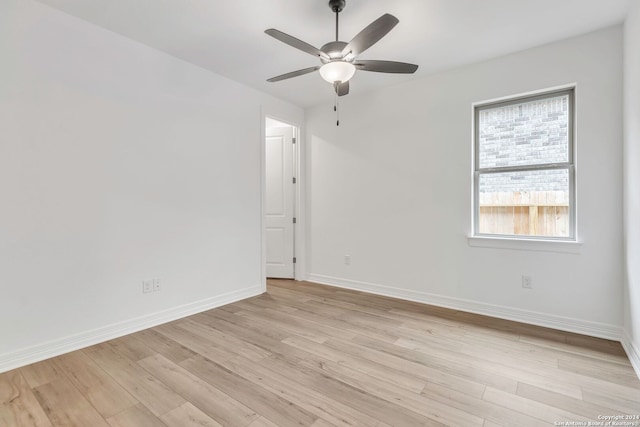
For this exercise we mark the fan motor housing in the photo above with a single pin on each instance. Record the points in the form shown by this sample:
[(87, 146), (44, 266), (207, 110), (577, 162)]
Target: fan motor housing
[(333, 49), (337, 5)]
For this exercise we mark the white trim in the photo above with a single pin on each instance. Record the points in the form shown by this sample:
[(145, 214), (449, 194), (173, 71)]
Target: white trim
[(573, 176), (26, 356), (301, 217), (299, 211), (562, 246), (585, 327), (536, 92), (632, 350), (263, 198)]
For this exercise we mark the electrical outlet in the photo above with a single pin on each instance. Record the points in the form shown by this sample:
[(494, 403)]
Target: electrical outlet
[(156, 285), (527, 282), (147, 286), (347, 260)]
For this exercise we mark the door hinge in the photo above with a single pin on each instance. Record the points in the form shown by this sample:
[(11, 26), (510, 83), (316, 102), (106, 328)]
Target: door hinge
[(294, 260), (294, 220), (293, 140), (294, 179)]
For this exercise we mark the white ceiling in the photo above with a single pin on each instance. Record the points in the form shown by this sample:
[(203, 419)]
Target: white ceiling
[(227, 36)]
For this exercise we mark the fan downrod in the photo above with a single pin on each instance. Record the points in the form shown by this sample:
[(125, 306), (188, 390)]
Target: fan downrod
[(337, 5)]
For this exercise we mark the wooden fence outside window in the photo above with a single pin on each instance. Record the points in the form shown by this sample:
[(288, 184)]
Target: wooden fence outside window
[(532, 213)]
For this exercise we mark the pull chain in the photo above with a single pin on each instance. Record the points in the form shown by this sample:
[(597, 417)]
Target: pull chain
[(336, 103), (336, 84)]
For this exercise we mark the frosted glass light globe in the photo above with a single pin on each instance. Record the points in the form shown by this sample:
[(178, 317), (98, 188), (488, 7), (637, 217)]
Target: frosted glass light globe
[(337, 71)]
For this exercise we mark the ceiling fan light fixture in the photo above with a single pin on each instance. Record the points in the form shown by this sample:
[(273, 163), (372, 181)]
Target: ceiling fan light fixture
[(337, 71)]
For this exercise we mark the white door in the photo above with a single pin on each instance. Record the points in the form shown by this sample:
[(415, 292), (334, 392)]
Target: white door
[(280, 202)]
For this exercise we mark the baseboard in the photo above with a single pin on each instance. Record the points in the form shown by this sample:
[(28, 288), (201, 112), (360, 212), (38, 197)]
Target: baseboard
[(60, 346), (600, 330), (632, 350)]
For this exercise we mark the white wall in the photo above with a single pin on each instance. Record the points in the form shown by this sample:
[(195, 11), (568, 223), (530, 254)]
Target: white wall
[(631, 340), (391, 186), (118, 163)]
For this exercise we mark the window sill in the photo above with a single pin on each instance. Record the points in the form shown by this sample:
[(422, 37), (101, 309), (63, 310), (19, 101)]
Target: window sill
[(562, 246)]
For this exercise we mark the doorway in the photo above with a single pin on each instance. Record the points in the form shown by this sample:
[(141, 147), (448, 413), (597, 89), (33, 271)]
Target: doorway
[(280, 198)]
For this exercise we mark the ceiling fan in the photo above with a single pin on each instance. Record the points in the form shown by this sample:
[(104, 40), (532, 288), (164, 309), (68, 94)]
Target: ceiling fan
[(338, 59)]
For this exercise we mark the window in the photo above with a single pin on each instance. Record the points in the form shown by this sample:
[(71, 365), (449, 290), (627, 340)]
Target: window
[(524, 182)]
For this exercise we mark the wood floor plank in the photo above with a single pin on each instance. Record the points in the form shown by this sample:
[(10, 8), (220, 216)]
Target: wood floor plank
[(271, 406), (409, 367), (66, 407), (446, 343), (369, 320), (395, 363), (506, 351), (304, 354), (446, 367), (194, 342), (147, 389), (18, 406), (407, 381), (545, 413), (131, 347), (41, 373), (136, 416), (549, 381), (617, 376), (188, 415), (599, 344), (617, 402), (231, 343), (576, 406), (491, 412), (319, 314), (264, 340), (164, 346), (390, 392), (257, 327), (295, 291), (322, 423), (548, 335), (376, 407), (319, 404), (571, 349), (619, 365), (263, 422), (102, 391), (205, 396), (262, 302), (453, 319), (293, 326), (340, 306), (580, 380)]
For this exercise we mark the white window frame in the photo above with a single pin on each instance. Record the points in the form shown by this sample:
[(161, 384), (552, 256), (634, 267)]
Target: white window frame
[(489, 240)]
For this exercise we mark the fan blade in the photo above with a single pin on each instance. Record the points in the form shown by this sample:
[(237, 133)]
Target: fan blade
[(386, 66), (293, 74), (341, 88), (370, 35), (297, 43)]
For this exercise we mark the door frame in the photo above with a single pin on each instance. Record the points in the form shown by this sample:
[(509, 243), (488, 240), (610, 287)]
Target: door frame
[(299, 195)]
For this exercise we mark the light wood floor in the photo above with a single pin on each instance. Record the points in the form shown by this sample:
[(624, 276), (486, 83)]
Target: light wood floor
[(309, 355)]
